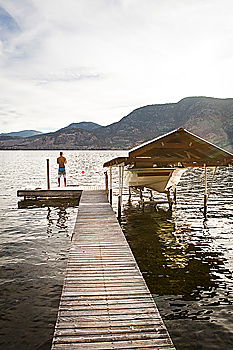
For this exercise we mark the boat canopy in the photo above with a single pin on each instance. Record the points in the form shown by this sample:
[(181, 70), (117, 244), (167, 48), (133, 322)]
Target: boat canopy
[(178, 148)]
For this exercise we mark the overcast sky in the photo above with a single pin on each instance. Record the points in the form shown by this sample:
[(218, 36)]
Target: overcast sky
[(64, 61)]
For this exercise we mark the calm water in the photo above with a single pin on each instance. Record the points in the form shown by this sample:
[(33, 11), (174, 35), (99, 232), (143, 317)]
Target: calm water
[(186, 261)]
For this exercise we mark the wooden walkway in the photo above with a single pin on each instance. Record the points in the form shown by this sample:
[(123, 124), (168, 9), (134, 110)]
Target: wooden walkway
[(105, 303)]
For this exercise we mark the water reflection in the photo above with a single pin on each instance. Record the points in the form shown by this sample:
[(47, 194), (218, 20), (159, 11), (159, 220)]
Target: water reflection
[(57, 215), (171, 264), (185, 262), (60, 220)]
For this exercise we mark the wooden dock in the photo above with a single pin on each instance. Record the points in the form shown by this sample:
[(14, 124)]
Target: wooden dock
[(105, 303), (57, 192)]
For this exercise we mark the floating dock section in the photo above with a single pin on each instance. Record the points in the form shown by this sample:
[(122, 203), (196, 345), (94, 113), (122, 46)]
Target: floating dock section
[(56, 193), (105, 302)]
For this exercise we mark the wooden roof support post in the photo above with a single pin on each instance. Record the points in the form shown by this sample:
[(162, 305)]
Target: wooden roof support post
[(212, 181), (110, 185), (206, 192), (121, 175)]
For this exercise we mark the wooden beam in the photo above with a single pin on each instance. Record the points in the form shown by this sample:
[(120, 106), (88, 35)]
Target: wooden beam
[(49, 193), (171, 145)]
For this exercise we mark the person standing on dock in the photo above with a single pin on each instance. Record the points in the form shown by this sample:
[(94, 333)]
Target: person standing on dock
[(61, 161)]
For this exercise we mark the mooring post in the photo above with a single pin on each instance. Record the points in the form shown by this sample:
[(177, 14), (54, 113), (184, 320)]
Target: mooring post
[(119, 208), (151, 195), (119, 197), (106, 181), (130, 193), (206, 192), (141, 196), (170, 202), (142, 199), (48, 178), (110, 185), (174, 195)]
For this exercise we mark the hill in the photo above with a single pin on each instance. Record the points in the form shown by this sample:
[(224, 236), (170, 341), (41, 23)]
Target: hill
[(210, 118), (82, 125), (23, 133), (61, 139)]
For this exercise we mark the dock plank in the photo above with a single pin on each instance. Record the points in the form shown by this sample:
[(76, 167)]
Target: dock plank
[(105, 303)]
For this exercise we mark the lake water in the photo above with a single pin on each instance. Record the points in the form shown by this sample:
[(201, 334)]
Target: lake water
[(187, 262)]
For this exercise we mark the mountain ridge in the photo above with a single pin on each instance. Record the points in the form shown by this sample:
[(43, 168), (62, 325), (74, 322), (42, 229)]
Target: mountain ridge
[(21, 133), (208, 117), (82, 125)]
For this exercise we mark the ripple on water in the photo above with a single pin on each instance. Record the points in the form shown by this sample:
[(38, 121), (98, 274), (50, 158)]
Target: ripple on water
[(187, 262)]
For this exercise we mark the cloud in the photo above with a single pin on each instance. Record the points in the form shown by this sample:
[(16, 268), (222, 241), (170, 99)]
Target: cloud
[(67, 75), (75, 60), (8, 25)]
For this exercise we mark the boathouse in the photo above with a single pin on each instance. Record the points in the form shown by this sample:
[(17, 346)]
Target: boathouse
[(159, 164)]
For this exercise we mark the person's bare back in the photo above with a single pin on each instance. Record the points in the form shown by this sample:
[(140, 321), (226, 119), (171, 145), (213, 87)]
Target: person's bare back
[(61, 161)]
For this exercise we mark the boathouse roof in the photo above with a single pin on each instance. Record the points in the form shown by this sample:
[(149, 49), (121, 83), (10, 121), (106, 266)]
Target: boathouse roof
[(176, 148)]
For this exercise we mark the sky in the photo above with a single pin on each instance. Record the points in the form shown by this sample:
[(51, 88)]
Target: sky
[(67, 61)]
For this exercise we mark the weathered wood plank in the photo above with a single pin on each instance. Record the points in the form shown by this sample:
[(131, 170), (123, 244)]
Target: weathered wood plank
[(107, 311), (106, 330), (160, 337), (50, 193), (105, 303), (110, 299), (120, 301), (66, 323), (119, 345), (86, 307), (100, 291)]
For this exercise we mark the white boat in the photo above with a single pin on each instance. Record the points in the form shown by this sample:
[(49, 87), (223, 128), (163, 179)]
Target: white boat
[(157, 179)]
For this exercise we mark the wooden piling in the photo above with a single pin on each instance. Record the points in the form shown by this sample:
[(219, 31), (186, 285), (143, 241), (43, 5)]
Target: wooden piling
[(206, 192), (110, 185), (106, 181), (119, 207), (48, 177), (121, 177), (130, 194), (175, 195)]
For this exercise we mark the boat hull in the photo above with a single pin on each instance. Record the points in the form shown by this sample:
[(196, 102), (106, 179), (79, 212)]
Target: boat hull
[(157, 179)]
